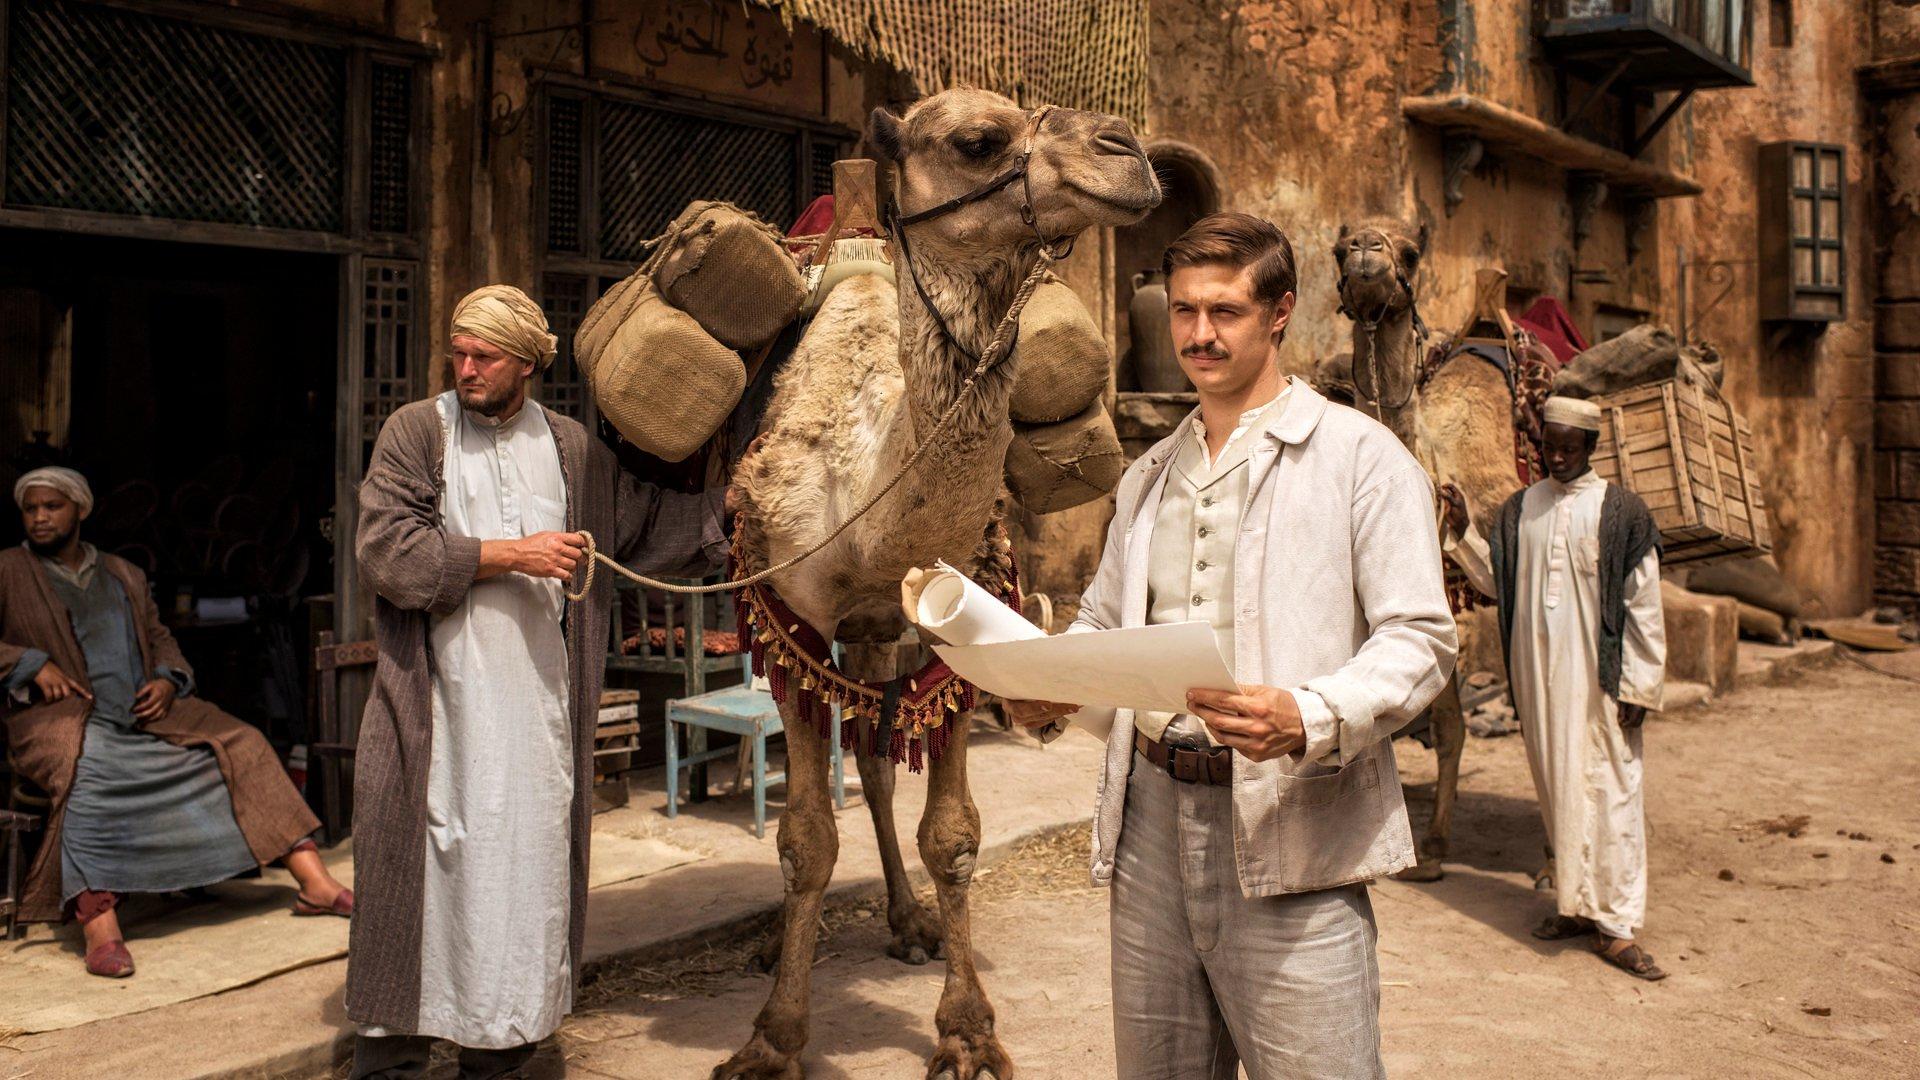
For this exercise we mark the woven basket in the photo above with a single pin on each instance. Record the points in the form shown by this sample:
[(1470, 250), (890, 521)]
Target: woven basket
[(1061, 360), (602, 319), (662, 381), (1052, 467), (727, 269)]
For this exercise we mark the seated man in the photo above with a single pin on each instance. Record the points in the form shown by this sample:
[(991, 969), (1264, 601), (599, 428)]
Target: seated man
[(152, 790)]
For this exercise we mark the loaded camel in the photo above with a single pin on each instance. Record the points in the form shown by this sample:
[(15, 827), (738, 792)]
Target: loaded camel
[(981, 187), (1458, 423)]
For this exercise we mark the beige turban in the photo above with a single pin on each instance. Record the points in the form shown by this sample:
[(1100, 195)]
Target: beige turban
[(503, 316), (65, 481), (1572, 412)]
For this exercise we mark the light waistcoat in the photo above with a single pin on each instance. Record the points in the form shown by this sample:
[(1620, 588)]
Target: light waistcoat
[(1190, 560), (1359, 617)]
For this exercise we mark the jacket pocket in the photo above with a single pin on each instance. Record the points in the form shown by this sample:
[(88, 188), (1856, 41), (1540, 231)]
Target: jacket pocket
[(1314, 832), (1327, 788)]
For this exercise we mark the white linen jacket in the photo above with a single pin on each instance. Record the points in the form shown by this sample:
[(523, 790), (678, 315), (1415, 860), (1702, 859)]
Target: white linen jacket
[(1339, 590)]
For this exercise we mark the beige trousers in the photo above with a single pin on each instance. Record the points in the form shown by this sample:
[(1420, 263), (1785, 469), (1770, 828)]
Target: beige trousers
[(1206, 979)]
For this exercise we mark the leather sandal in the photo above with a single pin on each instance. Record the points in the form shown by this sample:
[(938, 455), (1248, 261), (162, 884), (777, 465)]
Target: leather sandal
[(1632, 959), (342, 905), (1562, 927), (110, 960)]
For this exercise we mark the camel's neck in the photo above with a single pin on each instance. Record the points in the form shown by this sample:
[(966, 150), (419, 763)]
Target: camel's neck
[(971, 302), (1386, 363)]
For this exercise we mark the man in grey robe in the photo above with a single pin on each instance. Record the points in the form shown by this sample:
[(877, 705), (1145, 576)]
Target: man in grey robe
[(475, 756)]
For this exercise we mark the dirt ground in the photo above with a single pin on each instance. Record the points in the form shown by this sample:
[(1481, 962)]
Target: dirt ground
[(1785, 853)]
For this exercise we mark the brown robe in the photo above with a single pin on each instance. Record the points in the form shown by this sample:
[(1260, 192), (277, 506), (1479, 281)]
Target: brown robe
[(44, 739), (417, 572)]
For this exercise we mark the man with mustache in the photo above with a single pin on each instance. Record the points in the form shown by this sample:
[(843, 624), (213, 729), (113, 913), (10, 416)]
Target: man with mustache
[(1238, 836), (472, 781)]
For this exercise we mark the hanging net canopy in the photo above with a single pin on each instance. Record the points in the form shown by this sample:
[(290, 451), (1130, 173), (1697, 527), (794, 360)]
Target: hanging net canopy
[(1082, 54)]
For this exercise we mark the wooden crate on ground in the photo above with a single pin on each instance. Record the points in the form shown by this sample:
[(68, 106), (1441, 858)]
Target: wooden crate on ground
[(1680, 447)]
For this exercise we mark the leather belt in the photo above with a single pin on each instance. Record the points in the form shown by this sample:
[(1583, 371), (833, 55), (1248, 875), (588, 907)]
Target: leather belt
[(1212, 765)]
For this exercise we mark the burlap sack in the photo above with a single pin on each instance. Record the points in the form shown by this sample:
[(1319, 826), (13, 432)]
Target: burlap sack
[(1052, 467), (662, 381), (602, 319), (1060, 361), (726, 269)]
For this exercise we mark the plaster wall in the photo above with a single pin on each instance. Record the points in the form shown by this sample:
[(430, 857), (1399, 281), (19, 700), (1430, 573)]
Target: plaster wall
[(1809, 398), (1298, 104)]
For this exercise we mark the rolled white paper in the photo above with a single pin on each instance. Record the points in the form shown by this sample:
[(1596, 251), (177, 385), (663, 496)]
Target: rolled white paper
[(963, 613)]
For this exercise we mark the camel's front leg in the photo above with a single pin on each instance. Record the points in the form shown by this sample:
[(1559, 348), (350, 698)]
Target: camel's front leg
[(808, 847), (950, 847), (1448, 723)]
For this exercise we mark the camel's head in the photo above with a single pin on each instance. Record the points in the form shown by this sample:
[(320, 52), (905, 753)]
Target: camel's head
[(1376, 260), (1086, 170)]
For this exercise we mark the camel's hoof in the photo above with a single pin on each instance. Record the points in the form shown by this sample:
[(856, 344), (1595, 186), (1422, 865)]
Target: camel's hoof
[(916, 938), (758, 1060), (1423, 872), (976, 1056)]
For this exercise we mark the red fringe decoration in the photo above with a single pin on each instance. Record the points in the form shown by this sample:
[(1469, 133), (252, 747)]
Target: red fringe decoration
[(796, 660)]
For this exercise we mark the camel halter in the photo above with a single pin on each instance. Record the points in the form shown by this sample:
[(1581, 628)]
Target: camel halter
[(1371, 327), (997, 350)]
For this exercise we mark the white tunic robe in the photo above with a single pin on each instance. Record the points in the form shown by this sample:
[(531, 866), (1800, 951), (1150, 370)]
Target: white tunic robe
[(1586, 769), (494, 969)]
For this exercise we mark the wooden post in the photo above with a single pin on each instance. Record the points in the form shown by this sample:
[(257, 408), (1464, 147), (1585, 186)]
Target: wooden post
[(856, 198)]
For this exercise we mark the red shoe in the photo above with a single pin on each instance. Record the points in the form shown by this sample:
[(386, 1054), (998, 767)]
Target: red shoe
[(342, 905), (110, 960)]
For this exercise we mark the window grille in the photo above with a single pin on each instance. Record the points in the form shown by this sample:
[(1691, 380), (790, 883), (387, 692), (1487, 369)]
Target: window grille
[(654, 162), (117, 112), (388, 317), (563, 388), (389, 186), (565, 149)]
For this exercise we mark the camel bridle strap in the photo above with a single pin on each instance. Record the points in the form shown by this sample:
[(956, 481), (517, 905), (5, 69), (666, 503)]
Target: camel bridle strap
[(1371, 328), (1054, 247), (997, 350)]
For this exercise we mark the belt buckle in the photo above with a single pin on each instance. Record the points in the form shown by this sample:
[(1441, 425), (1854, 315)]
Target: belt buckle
[(1175, 752)]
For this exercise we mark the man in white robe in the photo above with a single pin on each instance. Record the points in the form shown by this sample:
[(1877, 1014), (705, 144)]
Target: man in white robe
[(474, 866), (1575, 565)]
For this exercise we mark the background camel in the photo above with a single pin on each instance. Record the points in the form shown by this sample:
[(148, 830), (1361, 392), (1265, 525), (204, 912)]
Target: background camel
[(867, 383), (1459, 424)]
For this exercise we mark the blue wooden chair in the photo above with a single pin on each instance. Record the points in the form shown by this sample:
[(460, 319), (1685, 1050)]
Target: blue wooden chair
[(750, 714)]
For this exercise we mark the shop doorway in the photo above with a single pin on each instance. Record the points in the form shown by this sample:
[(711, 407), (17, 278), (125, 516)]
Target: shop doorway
[(196, 387)]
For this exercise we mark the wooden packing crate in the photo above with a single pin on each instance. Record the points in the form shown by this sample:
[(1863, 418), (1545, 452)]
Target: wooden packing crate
[(1681, 448)]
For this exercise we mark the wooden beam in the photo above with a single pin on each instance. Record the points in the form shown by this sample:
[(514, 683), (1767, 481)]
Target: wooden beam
[(203, 232), (1521, 134), (1886, 78)]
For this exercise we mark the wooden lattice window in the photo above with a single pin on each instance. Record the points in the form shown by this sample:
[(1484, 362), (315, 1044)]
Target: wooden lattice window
[(566, 160), (653, 163), (566, 298), (390, 155), (389, 315), (616, 169), (117, 112), (1803, 266)]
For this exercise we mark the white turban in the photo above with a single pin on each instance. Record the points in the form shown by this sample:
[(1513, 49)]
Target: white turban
[(1572, 412), (503, 316), (65, 481)]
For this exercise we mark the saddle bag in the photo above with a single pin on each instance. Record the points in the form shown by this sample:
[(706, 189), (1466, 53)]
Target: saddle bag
[(727, 269), (1052, 467), (1061, 360), (663, 382)]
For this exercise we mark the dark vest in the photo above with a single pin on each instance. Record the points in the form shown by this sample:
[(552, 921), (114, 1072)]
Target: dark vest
[(1627, 533)]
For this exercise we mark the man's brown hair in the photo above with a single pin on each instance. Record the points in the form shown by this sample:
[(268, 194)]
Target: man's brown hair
[(1239, 241)]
